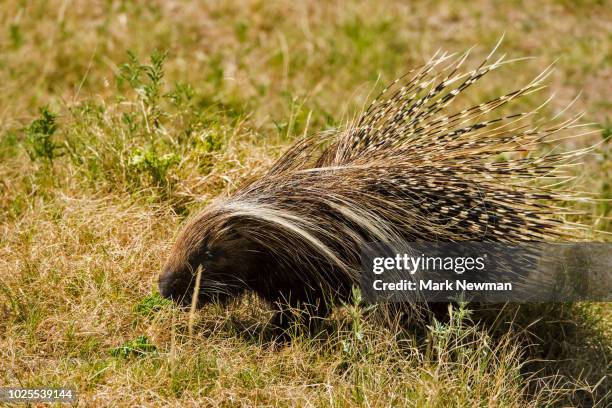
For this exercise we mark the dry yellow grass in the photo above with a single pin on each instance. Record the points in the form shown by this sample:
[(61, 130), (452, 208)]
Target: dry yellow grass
[(86, 224)]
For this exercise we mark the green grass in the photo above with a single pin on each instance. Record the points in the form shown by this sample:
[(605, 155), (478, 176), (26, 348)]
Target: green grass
[(118, 119)]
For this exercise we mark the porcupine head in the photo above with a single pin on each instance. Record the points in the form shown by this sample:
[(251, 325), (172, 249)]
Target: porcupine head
[(243, 245)]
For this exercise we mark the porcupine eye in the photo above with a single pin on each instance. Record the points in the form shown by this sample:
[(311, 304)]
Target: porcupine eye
[(231, 266), (224, 269), (201, 257)]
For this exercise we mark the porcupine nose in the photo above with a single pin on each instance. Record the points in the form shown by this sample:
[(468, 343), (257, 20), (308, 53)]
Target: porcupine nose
[(166, 284)]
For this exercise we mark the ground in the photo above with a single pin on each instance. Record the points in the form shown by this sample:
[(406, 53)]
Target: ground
[(118, 119)]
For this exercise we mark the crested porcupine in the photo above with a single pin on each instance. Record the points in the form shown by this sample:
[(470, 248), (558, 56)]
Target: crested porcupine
[(406, 169)]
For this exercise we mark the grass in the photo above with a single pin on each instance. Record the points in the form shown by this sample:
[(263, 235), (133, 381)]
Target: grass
[(118, 119)]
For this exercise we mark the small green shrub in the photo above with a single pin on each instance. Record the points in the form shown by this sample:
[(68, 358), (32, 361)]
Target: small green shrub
[(210, 142), (153, 164), (39, 137), (354, 347), (137, 347), (181, 95), (147, 81), (152, 304)]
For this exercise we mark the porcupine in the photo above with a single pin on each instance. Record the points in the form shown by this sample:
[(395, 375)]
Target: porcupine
[(406, 169)]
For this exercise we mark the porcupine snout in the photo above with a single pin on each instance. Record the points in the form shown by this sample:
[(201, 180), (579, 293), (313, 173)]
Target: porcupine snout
[(164, 284), (175, 285)]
